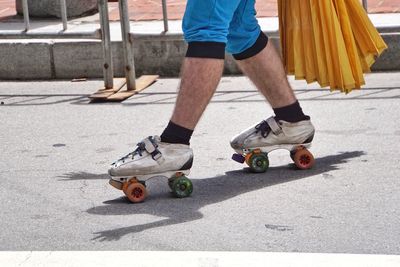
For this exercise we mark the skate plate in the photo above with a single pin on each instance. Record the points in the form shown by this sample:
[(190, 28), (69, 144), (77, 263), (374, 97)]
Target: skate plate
[(257, 158), (116, 184), (135, 187)]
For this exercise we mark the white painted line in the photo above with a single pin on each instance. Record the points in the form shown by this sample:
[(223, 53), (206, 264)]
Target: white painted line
[(191, 259)]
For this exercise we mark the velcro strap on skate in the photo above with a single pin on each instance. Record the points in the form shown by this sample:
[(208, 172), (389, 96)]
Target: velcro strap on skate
[(275, 128), (152, 150), (156, 155)]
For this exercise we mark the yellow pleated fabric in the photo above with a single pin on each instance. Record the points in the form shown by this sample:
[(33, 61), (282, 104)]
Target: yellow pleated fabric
[(332, 42)]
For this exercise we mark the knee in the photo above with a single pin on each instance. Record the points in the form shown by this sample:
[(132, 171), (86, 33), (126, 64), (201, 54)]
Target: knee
[(246, 47), (206, 50)]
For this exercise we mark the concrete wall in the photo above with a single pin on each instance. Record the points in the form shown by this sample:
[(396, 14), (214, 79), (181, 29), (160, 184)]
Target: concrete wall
[(390, 59), (17, 62), (158, 54)]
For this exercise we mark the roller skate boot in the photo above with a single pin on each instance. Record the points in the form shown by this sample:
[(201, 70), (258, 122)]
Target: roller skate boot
[(255, 143), (153, 158)]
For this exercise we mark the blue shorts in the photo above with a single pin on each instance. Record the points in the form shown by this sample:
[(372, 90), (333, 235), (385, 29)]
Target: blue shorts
[(230, 22)]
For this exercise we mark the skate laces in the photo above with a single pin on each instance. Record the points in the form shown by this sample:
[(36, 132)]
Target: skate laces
[(137, 151), (263, 128), (140, 148)]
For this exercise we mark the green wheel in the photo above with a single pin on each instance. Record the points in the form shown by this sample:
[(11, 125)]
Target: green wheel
[(182, 187), (259, 162)]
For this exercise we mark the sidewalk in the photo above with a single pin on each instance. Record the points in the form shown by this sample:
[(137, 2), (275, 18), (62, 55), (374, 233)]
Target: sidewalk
[(141, 10)]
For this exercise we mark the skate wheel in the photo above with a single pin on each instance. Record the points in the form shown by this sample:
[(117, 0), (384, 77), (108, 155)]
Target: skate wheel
[(173, 178), (127, 183), (247, 159), (182, 187), (259, 162), (136, 192), (248, 156), (303, 159)]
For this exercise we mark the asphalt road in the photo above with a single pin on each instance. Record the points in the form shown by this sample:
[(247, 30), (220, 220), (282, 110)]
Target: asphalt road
[(56, 148)]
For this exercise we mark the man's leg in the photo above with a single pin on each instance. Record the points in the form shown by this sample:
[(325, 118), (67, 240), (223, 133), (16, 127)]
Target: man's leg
[(290, 129), (266, 71), (200, 78), (206, 26), (171, 153), (262, 64)]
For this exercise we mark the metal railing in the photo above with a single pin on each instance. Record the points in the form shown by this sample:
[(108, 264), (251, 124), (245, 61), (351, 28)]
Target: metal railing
[(27, 34), (165, 15), (365, 4)]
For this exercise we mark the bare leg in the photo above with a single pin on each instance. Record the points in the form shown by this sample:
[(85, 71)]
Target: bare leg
[(200, 78), (266, 71)]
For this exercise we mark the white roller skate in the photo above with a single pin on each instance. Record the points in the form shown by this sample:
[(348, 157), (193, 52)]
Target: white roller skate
[(253, 144), (153, 158)]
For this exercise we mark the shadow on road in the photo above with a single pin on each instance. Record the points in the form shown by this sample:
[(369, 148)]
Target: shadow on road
[(207, 191)]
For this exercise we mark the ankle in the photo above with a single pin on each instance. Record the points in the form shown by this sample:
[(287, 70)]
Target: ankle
[(290, 113), (176, 134)]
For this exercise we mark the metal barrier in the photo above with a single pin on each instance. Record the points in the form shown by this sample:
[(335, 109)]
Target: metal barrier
[(102, 34), (108, 70)]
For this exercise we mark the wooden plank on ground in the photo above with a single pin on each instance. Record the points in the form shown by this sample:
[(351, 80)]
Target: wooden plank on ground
[(141, 83), (103, 94)]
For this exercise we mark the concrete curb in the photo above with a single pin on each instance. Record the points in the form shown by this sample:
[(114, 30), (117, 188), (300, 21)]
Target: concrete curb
[(160, 54)]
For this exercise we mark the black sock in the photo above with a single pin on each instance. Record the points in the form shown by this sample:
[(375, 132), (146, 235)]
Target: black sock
[(176, 134), (291, 113)]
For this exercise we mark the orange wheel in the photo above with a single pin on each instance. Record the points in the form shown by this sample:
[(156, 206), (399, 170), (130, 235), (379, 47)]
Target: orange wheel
[(247, 158), (249, 155), (126, 184), (303, 159), (136, 192)]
